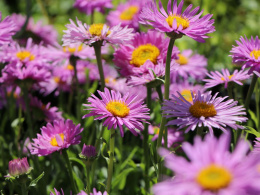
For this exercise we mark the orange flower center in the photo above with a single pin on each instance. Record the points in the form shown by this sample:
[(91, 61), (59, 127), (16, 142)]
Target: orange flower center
[(22, 55), (179, 19), (118, 108), (96, 29), (199, 109), (182, 60)]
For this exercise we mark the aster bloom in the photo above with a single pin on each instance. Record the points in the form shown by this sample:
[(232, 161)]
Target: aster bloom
[(247, 53), (257, 145), (89, 6), (175, 23), (89, 34), (18, 167), (211, 170), (127, 14), (88, 152), (118, 111), (217, 78), (56, 192), (190, 65), (95, 192), (205, 110), (56, 137), (7, 30)]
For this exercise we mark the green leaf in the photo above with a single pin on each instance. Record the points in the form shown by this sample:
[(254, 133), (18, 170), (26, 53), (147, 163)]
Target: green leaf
[(252, 131), (120, 179), (253, 117), (80, 162), (34, 182), (79, 182), (130, 156)]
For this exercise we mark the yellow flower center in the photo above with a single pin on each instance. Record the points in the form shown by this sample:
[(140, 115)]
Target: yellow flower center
[(229, 77), (56, 79), (72, 49), (255, 53), (199, 109), (156, 130), (214, 177), (54, 142), (70, 67), (180, 21), (187, 95), (143, 53), (118, 108), (129, 13), (96, 29), (22, 55), (108, 79), (182, 60)]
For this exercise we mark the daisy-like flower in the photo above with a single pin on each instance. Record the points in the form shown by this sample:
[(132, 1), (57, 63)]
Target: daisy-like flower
[(217, 78), (193, 65), (127, 14), (89, 6), (205, 110), (118, 110), (257, 145), (7, 30), (56, 137), (89, 34), (211, 170), (247, 53), (95, 192), (175, 23)]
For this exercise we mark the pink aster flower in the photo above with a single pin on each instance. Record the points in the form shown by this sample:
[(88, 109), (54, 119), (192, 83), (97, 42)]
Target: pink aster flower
[(175, 23), (211, 169), (56, 137), (217, 78), (18, 167), (89, 6), (193, 65), (247, 53), (56, 192), (257, 145), (95, 192), (127, 14), (7, 30), (89, 34), (205, 110), (118, 110)]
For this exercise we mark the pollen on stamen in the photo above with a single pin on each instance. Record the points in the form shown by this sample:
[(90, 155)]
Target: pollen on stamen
[(118, 108), (199, 109)]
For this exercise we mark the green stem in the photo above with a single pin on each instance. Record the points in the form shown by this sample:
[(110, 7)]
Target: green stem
[(88, 177), (230, 90), (28, 112), (24, 189), (111, 160), (69, 167), (43, 9), (200, 130), (145, 143), (257, 105), (159, 92), (250, 91), (97, 48)]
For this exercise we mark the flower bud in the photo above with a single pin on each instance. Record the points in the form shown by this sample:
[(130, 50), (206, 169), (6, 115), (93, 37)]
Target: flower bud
[(19, 167), (88, 152)]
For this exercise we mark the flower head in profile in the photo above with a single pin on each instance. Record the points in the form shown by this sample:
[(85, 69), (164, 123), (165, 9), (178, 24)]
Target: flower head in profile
[(247, 53), (211, 170), (55, 137), (18, 167), (89, 34), (88, 152), (95, 192), (89, 6), (204, 110), (177, 23), (7, 30), (118, 110), (217, 78)]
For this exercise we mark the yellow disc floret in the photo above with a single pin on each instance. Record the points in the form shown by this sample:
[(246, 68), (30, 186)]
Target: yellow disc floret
[(143, 53), (70, 67), (54, 142), (255, 54), (72, 49), (118, 108), (187, 95), (22, 55), (96, 29), (199, 109), (182, 60), (229, 77), (129, 13), (214, 177), (179, 19)]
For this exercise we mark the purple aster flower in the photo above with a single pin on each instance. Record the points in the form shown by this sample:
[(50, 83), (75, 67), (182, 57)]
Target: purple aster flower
[(18, 167), (257, 145), (89, 6), (211, 169), (95, 192), (7, 30), (39, 32), (118, 110), (89, 34), (56, 137), (56, 192), (193, 65), (217, 78), (127, 14), (175, 23), (205, 110), (247, 53), (173, 136)]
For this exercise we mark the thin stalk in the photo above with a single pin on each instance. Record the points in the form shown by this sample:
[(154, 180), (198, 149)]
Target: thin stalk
[(43, 10), (145, 143), (69, 167), (257, 105), (230, 90), (97, 48), (24, 189), (28, 112), (250, 91), (88, 177), (111, 160), (159, 92)]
